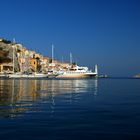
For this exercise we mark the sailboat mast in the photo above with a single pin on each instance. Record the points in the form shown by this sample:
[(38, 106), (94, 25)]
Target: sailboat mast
[(13, 60), (70, 58), (14, 40), (52, 52), (13, 46)]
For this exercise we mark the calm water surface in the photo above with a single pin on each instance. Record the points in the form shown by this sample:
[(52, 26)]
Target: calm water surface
[(92, 109)]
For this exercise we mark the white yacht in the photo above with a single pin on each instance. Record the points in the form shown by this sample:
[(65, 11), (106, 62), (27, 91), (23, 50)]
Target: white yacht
[(78, 72)]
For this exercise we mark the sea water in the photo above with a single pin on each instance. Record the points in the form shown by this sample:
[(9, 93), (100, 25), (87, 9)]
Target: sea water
[(92, 109)]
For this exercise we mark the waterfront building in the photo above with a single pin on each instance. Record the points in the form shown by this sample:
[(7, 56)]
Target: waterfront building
[(20, 59), (33, 64)]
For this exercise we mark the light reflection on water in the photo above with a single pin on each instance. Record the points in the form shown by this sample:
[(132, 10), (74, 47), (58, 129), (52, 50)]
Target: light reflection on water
[(70, 109), (23, 96)]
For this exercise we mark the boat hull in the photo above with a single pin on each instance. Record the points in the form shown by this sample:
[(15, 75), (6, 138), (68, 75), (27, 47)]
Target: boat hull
[(76, 75)]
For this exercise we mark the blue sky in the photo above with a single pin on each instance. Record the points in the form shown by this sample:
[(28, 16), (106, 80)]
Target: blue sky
[(103, 32)]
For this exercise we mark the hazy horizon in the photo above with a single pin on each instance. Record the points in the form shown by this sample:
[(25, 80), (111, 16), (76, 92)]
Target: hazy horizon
[(102, 32)]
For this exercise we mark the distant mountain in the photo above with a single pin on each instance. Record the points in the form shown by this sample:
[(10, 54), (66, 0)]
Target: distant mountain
[(137, 75)]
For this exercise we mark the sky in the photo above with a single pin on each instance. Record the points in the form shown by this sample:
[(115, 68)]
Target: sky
[(103, 32)]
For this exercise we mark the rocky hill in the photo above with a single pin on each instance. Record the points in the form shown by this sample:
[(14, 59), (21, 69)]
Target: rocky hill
[(6, 53), (25, 60)]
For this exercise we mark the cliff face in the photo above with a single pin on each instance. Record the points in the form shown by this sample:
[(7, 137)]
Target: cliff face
[(6, 53), (4, 57)]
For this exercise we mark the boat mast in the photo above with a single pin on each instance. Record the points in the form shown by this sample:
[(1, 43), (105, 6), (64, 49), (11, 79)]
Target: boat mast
[(14, 40), (13, 46), (70, 58), (52, 52), (13, 60)]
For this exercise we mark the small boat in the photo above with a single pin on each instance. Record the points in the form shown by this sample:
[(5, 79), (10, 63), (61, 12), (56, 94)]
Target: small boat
[(3, 75), (78, 72), (52, 73)]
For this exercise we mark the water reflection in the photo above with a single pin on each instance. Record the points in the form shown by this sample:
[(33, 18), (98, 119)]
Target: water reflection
[(20, 96)]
